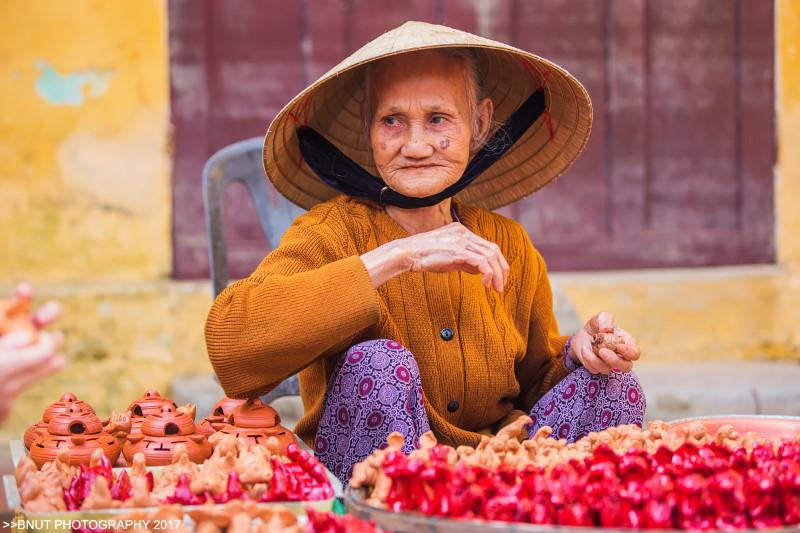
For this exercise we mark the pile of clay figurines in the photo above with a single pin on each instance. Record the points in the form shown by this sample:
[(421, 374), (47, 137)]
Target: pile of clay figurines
[(153, 425), (237, 516), (234, 471)]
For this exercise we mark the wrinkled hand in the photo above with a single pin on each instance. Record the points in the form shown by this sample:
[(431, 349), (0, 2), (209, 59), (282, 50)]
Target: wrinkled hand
[(454, 247), (620, 358), (450, 248), (26, 358)]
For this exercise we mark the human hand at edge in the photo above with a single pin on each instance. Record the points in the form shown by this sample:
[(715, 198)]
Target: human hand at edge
[(605, 360)]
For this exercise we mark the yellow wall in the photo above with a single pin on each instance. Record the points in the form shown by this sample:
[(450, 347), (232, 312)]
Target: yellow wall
[(787, 196), (83, 140), (85, 186), (85, 189)]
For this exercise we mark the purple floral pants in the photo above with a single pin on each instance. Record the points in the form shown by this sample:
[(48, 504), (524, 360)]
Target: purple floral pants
[(376, 389)]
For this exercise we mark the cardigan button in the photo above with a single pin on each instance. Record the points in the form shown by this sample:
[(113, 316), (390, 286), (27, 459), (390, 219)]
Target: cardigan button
[(446, 333), (452, 406)]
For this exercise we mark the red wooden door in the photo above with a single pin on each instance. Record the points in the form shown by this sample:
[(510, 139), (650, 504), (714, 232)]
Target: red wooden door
[(678, 171)]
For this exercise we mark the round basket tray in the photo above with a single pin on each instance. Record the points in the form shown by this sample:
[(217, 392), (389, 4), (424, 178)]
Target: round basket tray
[(406, 522), (764, 425), (411, 522)]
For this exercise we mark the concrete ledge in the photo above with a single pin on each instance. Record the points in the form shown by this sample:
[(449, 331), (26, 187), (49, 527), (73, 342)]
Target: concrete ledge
[(678, 390)]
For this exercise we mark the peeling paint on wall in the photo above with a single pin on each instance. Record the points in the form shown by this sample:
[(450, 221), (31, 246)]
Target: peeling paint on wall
[(70, 89)]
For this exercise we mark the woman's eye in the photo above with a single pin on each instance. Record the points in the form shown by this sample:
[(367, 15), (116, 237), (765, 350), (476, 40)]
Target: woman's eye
[(390, 121), (438, 119)]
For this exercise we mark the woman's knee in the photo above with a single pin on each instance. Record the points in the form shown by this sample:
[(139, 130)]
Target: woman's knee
[(380, 354), (616, 387), (632, 389)]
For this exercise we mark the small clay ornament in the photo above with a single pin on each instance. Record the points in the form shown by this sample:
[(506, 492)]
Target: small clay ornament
[(149, 404), (82, 432), (67, 400), (222, 410), (15, 317), (160, 433), (254, 423)]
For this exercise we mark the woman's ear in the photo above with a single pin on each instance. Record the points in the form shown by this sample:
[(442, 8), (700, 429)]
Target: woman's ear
[(485, 111)]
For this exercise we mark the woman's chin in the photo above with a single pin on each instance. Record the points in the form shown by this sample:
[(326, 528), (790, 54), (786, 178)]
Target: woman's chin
[(420, 188), (420, 193)]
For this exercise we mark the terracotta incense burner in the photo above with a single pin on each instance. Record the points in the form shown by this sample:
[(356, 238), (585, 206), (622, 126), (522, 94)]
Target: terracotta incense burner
[(222, 410), (254, 423), (61, 406), (150, 403), (161, 433), (79, 429)]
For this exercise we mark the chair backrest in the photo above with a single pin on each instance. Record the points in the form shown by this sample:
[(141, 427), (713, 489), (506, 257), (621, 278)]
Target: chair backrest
[(242, 162)]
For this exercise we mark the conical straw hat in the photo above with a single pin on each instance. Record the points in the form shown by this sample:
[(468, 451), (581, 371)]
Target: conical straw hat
[(332, 106)]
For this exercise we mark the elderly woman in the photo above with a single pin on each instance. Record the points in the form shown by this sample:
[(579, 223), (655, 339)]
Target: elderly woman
[(403, 307)]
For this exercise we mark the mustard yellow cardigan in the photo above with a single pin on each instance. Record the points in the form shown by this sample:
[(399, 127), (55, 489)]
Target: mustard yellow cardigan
[(311, 298)]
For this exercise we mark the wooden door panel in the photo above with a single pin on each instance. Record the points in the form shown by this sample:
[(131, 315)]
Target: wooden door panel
[(578, 201), (691, 112)]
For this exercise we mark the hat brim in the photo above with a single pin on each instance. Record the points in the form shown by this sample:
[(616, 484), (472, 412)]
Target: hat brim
[(332, 105)]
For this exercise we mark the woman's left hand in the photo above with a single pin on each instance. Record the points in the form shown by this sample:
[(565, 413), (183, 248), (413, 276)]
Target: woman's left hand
[(620, 359), (29, 356)]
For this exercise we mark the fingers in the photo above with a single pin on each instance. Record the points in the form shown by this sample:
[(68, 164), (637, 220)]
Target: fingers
[(16, 340), (25, 379), (20, 360), (602, 322), (629, 350), (484, 255), (496, 260), (484, 268), (487, 248), (24, 290), (498, 276), (614, 361), (592, 362), (630, 353), (454, 247), (47, 314)]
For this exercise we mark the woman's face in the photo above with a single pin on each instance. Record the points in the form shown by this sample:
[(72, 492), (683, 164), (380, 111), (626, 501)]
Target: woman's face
[(422, 124)]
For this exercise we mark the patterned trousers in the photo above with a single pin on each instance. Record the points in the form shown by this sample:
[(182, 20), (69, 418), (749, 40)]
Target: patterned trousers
[(376, 389)]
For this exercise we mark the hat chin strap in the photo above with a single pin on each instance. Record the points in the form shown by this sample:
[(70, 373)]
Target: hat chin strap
[(348, 177)]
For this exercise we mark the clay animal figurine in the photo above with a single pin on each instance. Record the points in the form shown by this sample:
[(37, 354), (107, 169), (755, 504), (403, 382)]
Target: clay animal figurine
[(254, 423), (82, 432), (161, 432), (15, 316), (61, 406)]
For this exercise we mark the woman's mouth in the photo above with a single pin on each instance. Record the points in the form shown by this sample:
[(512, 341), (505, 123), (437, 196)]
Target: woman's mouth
[(417, 167)]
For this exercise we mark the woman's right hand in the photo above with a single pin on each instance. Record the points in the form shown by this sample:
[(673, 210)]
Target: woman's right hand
[(446, 249)]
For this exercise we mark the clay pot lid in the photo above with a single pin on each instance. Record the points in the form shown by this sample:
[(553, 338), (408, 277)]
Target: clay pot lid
[(77, 420), (226, 405), (169, 422), (67, 400), (149, 404), (254, 414)]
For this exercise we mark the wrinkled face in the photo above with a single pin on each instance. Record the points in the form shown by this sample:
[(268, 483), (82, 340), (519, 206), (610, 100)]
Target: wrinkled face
[(422, 122)]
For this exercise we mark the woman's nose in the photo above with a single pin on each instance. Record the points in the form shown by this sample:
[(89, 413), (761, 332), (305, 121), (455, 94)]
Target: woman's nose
[(416, 145)]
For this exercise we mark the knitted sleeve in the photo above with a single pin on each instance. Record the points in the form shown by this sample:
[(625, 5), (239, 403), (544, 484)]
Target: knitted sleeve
[(306, 297), (543, 365)]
